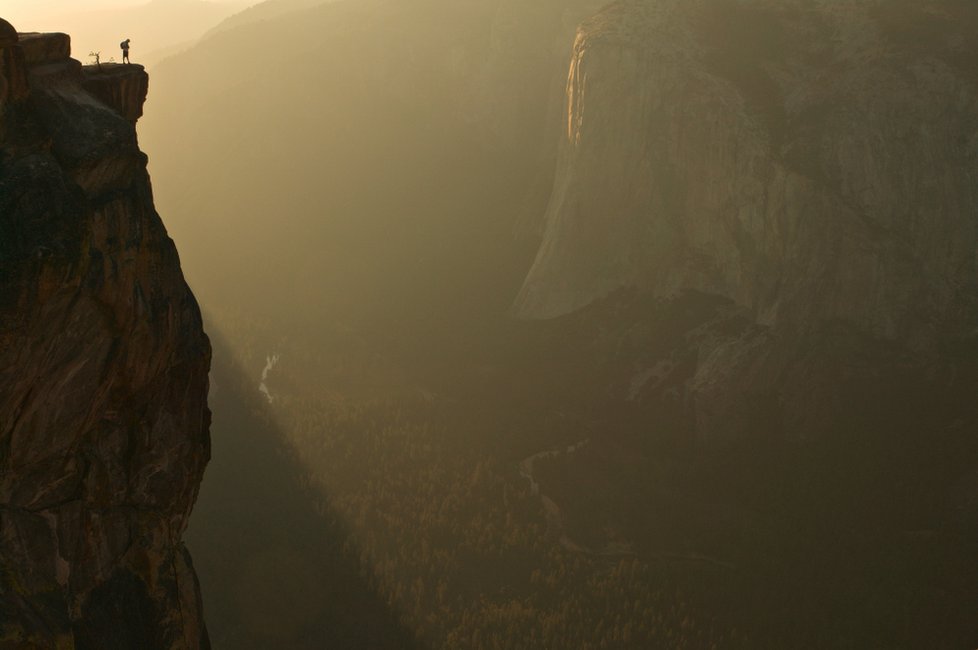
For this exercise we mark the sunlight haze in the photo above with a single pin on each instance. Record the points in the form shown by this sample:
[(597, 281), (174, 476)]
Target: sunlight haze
[(489, 324), (157, 28)]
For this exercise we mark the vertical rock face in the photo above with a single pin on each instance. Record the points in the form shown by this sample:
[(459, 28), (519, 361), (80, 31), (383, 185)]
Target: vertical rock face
[(809, 160), (520, 71), (813, 163), (103, 368)]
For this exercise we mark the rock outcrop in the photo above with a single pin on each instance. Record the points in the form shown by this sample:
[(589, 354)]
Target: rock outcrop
[(811, 161), (103, 368), (815, 164), (119, 87)]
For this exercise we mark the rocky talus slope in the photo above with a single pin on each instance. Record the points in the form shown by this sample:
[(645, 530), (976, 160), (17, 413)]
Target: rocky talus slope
[(103, 368), (814, 163)]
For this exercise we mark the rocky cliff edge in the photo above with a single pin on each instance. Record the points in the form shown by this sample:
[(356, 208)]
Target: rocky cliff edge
[(103, 368)]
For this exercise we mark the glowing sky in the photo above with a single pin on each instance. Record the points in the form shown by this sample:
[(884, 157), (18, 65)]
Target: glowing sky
[(157, 27), (28, 12)]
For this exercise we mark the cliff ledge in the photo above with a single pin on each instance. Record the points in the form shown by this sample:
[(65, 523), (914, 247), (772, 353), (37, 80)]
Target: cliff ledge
[(103, 368)]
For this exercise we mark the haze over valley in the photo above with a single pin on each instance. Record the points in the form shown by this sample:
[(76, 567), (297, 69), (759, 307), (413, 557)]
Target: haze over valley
[(552, 324)]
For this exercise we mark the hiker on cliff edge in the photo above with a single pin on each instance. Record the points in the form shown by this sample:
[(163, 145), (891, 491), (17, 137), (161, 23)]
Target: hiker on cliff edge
[(125, 50)]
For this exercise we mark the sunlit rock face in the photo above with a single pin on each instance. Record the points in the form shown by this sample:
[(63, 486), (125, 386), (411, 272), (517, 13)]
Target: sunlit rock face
[(515, 85), (810, 161), (103, 368), (813, 163)]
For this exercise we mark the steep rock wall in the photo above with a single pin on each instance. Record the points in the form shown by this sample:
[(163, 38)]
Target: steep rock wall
[(103, 368), (814, 164), (811, 161), (516, 83)]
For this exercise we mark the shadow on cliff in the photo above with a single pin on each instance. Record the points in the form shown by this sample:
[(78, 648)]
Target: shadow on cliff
[(272, 564)]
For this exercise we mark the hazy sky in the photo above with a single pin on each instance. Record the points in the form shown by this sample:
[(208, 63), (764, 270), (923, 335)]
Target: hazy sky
[(25, 14), (157, 28)]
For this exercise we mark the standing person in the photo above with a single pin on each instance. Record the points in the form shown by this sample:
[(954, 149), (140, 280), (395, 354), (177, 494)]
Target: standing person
[(125, 50)]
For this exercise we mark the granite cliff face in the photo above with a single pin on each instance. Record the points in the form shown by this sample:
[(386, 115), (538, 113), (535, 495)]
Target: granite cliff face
[(103, 368), (813, 163), (515, 84), (810, 161)]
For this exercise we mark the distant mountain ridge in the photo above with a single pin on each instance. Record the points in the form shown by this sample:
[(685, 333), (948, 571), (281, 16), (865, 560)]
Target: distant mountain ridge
[(157, 28), (267, 10)]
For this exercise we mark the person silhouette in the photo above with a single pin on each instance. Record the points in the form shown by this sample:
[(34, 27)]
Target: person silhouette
[(125, 50)]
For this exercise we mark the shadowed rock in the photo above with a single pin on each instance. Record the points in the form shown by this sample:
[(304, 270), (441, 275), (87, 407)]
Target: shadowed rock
[(123, 87), (103, 364)]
